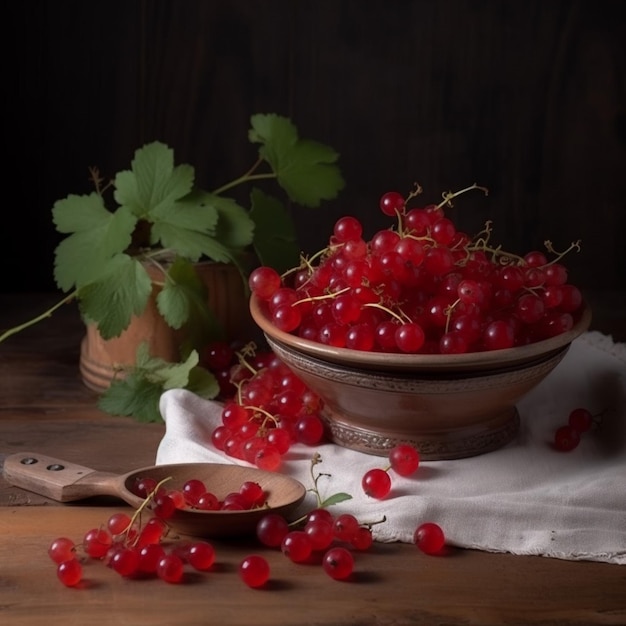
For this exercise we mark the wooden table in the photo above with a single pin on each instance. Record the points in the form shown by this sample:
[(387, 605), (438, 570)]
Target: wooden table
[(44, 407)]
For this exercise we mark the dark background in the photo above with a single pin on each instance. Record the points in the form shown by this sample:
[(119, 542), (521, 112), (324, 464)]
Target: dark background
[(526, 97)]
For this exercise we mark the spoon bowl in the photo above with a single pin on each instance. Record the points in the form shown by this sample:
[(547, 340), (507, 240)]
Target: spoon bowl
[(64, 481)]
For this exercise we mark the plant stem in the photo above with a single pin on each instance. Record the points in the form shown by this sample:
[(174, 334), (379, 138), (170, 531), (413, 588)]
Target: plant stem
[(243, 179), (16, 329)]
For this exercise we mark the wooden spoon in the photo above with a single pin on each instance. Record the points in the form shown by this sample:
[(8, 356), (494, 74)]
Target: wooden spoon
[(67, 482)]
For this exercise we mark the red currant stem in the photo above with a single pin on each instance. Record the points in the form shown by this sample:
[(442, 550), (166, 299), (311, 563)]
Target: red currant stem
[(448, 313), (308, 261), (427, 238), (597, 417), (399, 216), (481, 242), (137, 514), (315, 460), (417, 190), (325, 296), (382, 307), (448, 195), (575, 245), (482, 237), (305, 262), (370, 524), (267, 416), (249, 350), (239, 387)]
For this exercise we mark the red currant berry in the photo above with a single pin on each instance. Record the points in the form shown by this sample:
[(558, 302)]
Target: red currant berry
[(404, 459), (347, 228), (201, 555), (338, 563), (566, 438), (429, 538), (254, 570), (271, 530), (296, 546), (391, 203), (170, 568), (264, 281), (70, 573), (61, 549), (376, 483), (580, 420), (409, 337)]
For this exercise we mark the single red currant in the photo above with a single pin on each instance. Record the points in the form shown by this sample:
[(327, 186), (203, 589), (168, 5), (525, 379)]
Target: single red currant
[(70, 573), (580, 420), (61, 549), (376, 483), (566, 438), (391, 203), (429, 538), (338, 563), (264, 281), (271, 530), (254, 570), (404, 459)]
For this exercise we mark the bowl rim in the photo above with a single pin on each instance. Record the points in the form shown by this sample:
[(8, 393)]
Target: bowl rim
[(394, 360)]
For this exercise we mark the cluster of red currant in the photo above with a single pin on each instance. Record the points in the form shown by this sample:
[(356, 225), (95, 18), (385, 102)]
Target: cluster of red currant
[(420, 287), (316, 539), (194, 495), (403, 460), (131, 550), (331, 540), (134, 549), (266, 409), (567, 437)]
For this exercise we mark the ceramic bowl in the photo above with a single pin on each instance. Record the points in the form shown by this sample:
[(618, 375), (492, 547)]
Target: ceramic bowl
[(447, 406)]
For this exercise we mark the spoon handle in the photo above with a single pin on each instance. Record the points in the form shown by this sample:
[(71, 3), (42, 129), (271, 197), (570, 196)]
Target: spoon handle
[(58, 479)]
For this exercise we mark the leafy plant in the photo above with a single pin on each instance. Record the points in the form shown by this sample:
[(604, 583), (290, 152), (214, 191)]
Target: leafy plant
[(138, 393), (162, 223)]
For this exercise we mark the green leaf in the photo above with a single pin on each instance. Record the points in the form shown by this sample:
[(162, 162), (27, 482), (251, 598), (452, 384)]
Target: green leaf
[(95, 237), (138, 393), (305, 169), (187, 226), (133, 396), (183, 301), (335, 499), (182, 290), (153, 183), (174, 375), (121, 292), (276, 133), (310, 176), (275, 235), (235, 228), (203, 383)]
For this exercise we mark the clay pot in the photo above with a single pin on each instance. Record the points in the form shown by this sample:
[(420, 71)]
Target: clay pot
[(100, 358)]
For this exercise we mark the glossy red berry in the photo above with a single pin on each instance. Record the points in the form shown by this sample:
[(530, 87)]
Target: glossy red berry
[(391, 203)]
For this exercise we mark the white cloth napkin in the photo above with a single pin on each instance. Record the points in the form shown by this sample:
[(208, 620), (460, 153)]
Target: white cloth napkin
[(525, 498)]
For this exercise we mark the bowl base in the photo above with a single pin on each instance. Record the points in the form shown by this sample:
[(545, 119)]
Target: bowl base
[(433, 446)]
